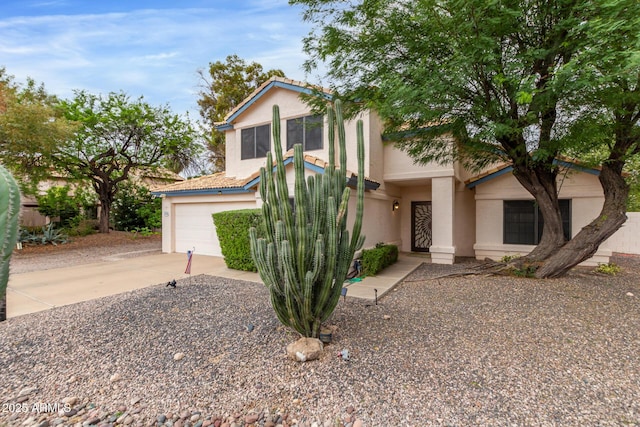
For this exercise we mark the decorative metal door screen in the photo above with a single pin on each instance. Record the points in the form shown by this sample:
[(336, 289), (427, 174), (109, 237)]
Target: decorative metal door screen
[(420, 226)]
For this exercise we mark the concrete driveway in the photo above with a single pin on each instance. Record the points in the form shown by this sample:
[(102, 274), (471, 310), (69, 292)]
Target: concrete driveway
[(41, 290)]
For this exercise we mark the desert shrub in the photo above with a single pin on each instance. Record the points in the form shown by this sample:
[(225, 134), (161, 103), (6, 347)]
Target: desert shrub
[(58, 205), (610, 269), (48, 234), (232, 228), (135, 208), (377, 259), (80, 226)]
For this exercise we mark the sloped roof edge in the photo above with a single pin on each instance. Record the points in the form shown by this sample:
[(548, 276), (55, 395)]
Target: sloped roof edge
[(505, 168), (219, 183), (273, 82)]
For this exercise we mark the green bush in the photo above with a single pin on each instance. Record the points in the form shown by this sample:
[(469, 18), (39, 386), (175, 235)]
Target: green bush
[(375, 260), (232, 228), (59, 205), (80, 226), (135, 208)]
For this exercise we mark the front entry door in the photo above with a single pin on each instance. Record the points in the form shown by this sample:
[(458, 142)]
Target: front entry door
[(420, 226)]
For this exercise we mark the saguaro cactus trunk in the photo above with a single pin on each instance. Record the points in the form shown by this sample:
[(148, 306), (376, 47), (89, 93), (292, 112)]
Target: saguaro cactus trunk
[(9, 215), (307, 252)]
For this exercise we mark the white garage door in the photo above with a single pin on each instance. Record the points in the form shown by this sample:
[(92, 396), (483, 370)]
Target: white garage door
[(194, 226)]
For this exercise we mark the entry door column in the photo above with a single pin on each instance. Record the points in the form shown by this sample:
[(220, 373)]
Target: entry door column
[(443, 208)]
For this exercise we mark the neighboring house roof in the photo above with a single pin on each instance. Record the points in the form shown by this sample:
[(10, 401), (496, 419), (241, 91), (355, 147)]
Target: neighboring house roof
[(275, 81), (505, 168), (219, 183)]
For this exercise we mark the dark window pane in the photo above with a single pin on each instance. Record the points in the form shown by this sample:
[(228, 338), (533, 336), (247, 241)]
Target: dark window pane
[(523, 222), (519, 222), (565, 212), (295, 132), (248, 145), (313, 132), (263, 141)]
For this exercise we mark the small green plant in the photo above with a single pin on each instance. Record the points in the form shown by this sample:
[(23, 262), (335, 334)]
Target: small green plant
[(52, 235), (525, 271), (82, 227), (611, 269), (508, 258), (143, 231)]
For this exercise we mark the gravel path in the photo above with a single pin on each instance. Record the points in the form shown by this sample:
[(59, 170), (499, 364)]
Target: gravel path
[(459, 351)]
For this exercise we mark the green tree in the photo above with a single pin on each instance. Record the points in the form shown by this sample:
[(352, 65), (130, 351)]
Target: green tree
[(30, 128), (225, 86), (516, 81), (115, 135)]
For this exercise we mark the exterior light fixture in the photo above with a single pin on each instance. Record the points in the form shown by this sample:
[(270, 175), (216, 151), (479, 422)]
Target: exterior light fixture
[(395, 206)]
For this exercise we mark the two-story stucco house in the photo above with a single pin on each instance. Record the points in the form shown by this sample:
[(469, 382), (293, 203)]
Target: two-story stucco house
[(443, 210)]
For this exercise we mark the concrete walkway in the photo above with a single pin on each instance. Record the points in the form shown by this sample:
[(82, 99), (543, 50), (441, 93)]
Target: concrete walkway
[(42, 290)]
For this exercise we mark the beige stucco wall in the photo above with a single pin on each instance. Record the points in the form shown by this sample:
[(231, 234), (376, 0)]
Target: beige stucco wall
[(291, 106), (627, 239), (465, 225), (398, 166), (582, 188)]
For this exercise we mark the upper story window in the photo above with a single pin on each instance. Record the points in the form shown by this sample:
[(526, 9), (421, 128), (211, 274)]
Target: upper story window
[(306, 131), (523, 222), (256, 142)]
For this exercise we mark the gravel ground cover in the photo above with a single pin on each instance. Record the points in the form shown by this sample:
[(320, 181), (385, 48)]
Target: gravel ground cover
[(437, 350)]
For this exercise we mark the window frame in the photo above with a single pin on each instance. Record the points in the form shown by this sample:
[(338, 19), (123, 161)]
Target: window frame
[(252, 134), (535, 226), (306, 132)]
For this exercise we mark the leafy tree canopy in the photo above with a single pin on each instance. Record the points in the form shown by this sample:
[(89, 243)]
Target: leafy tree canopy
[(224, 86), (517, 81), (115, 135), (30, 128)]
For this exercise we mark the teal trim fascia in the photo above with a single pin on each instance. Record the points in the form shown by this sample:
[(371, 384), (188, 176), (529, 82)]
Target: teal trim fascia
[(571, 165), (509, 169), (491, 176), (201, 192), (223, 127)]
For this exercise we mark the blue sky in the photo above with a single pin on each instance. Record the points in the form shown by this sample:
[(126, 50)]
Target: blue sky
[(144, 47)]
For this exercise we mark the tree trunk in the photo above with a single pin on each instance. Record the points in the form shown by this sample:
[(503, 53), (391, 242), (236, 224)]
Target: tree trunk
[(105, 196), (587, 241), (540, 181)]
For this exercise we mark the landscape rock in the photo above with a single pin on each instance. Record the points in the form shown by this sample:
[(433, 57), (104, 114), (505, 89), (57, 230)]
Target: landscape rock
[(305, 349)]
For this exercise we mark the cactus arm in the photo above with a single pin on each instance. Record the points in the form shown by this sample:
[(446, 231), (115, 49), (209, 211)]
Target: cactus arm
[(9, 224), (357, 226), (341, 140)]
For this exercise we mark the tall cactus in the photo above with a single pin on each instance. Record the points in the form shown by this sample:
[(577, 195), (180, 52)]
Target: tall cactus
[(9, 215), (307, 252)]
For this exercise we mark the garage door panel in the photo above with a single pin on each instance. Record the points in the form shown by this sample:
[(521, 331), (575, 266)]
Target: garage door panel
[(194, 228)]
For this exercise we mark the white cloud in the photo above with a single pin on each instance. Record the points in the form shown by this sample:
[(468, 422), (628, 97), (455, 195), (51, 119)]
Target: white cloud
[(154, 53)]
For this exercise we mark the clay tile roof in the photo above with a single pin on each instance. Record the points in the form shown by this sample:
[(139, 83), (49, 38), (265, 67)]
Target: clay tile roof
[(217, 180)]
